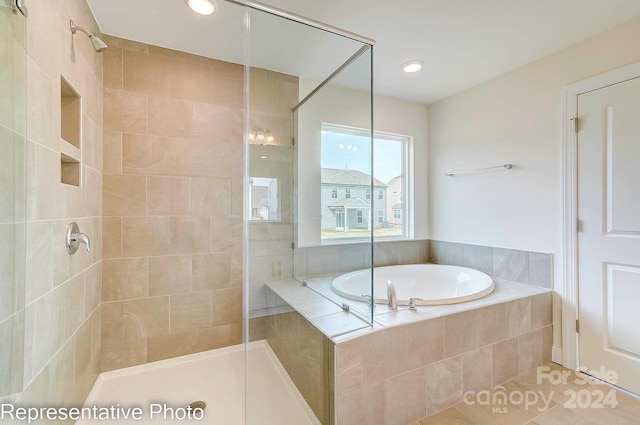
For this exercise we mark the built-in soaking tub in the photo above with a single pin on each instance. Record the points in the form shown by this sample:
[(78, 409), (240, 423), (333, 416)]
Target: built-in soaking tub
[(428, 284), (217, 378)]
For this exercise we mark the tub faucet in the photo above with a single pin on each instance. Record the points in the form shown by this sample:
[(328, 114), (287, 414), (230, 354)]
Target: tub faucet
[(392, 301)]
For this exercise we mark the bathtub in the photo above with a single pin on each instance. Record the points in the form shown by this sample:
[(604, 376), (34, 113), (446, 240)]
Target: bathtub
[(216, 377), (435, 284)]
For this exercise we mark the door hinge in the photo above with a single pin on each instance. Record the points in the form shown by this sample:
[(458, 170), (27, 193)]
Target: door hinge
[(577, 326), (576, 125), (577, 225)]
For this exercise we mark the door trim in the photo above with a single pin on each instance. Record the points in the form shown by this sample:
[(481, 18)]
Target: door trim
[(569, 290)]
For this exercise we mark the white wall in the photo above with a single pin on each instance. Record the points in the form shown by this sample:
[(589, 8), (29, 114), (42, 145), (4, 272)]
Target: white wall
[(340, 105), (513, 118)]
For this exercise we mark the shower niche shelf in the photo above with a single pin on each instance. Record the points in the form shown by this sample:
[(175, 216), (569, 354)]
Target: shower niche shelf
[(70, 134)]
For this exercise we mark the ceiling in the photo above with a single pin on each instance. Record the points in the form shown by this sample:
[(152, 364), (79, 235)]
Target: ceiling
[(462, 42)]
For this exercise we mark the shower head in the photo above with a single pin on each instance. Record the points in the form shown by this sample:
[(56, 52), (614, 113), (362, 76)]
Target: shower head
[(98, 44)]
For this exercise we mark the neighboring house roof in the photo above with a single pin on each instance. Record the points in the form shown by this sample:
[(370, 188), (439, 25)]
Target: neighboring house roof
[(259, 195), (333, 176), (350, 203), (394, 180), (397, 206)]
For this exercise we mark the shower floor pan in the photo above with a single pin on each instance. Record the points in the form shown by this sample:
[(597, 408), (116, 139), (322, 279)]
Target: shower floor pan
[(216, 377)]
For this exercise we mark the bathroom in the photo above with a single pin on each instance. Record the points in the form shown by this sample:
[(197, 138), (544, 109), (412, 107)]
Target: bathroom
[(204, 157)]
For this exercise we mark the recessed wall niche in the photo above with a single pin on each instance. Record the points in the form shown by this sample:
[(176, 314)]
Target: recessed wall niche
[(70, 134)]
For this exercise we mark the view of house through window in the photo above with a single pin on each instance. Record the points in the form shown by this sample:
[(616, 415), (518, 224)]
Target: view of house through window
[(348, 209), (264, 199)]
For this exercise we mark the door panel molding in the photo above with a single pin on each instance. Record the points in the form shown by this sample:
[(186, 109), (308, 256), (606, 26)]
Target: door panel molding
[(568, 353)]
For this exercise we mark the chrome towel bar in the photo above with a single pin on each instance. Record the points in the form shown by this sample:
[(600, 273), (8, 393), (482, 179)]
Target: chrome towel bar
[(477, 170)]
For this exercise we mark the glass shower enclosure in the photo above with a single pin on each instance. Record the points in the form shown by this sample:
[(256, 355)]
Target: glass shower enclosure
[(13, 73), (308, 209)]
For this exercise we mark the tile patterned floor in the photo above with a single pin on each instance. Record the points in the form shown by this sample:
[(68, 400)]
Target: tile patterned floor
[(553, 396)]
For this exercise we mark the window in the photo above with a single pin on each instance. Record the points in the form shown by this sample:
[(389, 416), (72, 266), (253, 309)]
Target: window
[(370, 202), (264, 199)]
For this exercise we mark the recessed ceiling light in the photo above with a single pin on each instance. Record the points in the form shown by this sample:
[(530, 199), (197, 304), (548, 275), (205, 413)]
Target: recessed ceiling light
[(412, 66), (202, 7)]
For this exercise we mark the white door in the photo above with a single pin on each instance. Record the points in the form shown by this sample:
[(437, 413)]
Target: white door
[(609, 237)]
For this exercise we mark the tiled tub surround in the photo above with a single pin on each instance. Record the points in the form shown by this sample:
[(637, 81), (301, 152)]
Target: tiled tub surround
[(411, 364), (530, 268), (172, 200)]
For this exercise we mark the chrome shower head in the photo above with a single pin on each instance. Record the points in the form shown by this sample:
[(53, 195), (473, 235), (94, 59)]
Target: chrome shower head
[(98, 44)]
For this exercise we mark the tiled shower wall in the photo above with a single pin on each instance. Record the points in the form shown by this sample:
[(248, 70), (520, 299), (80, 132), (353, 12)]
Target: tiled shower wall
[(173, 198), (62, 317)]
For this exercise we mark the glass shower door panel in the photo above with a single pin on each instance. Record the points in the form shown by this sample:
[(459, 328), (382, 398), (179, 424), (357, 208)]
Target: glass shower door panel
[(12, 199)]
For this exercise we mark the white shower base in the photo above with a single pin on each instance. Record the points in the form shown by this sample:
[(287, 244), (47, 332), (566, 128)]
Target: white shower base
[(215, 377)]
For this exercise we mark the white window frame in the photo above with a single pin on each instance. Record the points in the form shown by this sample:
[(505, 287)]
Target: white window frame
[(347, 192), (407, 184), (334, 191), (359, 217), (367, 193)]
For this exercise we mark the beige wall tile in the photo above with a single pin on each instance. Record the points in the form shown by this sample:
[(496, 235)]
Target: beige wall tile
[(444, 384), (349, 365), (169, 275), (145, 236), (73, 304), (228, 90), (227, 307), (211, 271), (226, 233), (39, 259), (44, 191), (124, 279), (477, 374), (529, 351), (227, 160), (364, 406), (505, 360), (211, 196), (385, 354), (461, 333), (213, 122), (118, 355), (40, 103), (112, 62), (190, 234), (112, 152), (492, 325), (518, 317), (217, 337), (145, 73), (541, 310), (125, 111), (168, 195), (145, 318), (112, 237), (406, 397), (124, 195), (112, 329), (192, 81), (547, 343), (169, 346), (191, 157), (191, 311), (420, 353), (147, 155), (170, 117)]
